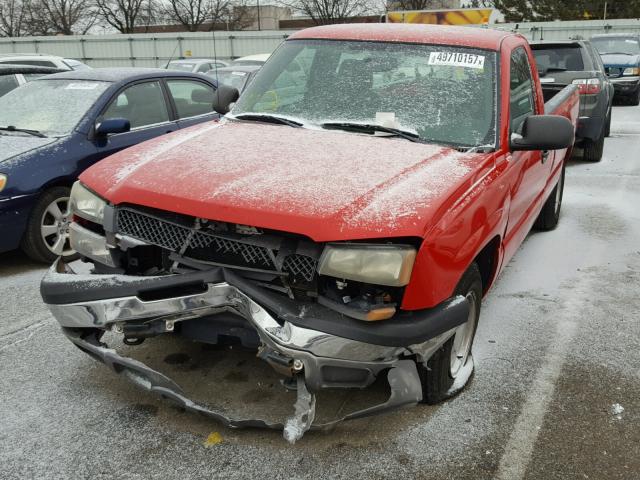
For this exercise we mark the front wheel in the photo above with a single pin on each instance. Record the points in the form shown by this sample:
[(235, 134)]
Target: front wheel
[(47, 235), (449, 369)]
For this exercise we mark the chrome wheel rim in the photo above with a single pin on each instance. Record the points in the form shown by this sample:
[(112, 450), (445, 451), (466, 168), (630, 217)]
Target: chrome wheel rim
[(463, 337), (54, 227)]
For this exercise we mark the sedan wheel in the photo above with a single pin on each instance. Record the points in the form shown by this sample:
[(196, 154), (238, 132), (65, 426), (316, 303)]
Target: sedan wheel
[(54, 227)]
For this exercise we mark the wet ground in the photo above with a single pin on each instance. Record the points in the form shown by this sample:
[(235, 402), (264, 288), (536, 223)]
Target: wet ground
[(557, 352)]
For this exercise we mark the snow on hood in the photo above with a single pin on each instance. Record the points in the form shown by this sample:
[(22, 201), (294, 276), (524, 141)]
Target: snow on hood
[(12, 145), (328, 185)]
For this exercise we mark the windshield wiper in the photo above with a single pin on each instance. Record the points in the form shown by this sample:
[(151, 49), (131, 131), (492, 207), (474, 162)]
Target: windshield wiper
[(265, 117), (35, 133), (372, 128), (617, 53)]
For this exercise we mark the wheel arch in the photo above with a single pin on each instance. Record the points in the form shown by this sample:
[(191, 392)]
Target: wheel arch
[(488, 260)]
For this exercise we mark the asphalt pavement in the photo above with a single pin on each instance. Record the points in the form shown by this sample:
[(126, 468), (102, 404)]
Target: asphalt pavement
[(556, 394)]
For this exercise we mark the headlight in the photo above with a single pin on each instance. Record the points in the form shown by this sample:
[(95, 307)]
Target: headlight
[(87, 204), (631, 71), (378, 264), (3, 181)]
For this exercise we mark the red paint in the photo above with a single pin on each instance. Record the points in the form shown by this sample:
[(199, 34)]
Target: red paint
[(333, 186)]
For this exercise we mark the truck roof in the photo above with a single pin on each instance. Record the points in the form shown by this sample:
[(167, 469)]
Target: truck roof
[(485, 38)]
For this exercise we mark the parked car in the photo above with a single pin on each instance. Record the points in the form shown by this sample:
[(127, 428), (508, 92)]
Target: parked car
[(237, 77), (577, 62), (38, 60), (195, 65), (621, 57), (258, 59), (53, 128), (349, 226), (12, 76)]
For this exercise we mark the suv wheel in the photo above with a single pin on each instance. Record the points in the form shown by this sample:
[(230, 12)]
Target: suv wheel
[(593, 149)]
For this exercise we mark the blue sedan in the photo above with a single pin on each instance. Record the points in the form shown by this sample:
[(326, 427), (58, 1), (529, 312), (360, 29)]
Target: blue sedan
[(55, 127)]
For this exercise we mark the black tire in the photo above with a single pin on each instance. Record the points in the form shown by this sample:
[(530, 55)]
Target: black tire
[(607, 125), (33, 243), (593, 149), (550, 213), (436, 377), (635, 98)]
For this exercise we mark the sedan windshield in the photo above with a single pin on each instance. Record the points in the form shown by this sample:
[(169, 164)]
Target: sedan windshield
[(620, 45), (51, 107), (439, 94)]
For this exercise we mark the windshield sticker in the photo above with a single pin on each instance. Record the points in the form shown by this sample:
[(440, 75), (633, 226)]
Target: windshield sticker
[(456, 59), (240, 74), (81, 86)]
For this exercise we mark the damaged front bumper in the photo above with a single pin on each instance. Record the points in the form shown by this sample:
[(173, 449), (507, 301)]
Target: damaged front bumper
[(319, 348)]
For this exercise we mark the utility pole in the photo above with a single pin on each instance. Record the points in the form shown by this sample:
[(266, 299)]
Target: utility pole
[(605, 11), (258, 15)]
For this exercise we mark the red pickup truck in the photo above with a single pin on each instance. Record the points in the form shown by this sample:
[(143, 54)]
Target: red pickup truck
[(344, 219)]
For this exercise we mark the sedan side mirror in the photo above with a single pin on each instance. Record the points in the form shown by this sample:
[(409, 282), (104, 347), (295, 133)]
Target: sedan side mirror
[(223, 98), (111, 126), (544, 132)]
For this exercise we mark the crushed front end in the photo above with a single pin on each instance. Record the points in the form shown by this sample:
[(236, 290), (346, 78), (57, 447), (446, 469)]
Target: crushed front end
[(158, 273)]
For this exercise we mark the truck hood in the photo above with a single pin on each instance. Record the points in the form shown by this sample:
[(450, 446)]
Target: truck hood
[(13, 145), (622, 61), (327, 185)]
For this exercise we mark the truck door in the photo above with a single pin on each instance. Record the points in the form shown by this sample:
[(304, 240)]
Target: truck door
[(530, 169)]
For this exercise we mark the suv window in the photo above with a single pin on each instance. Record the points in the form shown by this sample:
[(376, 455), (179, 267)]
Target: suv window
[(559, 58), (521, 90), (191, 98), (7, 83), (142, 104)]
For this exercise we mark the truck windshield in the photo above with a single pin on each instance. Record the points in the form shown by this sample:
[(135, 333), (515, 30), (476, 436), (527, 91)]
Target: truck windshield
[(442, 94), (51, 107), (619, 45)]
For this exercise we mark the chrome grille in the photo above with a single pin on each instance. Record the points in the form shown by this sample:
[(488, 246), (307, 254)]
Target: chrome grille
[(179, 238)]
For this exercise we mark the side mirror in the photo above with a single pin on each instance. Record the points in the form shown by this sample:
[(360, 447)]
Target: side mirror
[(223, 98), (544, 132), (112, 125)]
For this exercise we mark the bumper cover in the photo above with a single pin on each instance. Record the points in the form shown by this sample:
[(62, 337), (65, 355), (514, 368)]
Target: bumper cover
[(329, 350)]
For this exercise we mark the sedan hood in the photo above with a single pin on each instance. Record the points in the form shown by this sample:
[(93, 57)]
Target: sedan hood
[(622, 61), (13, 145), (327, 185)]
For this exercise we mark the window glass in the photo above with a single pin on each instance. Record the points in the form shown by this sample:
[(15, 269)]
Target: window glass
[(233, 79), (444, 94), (617, 45), (37, 63), (521, 94), (558, 59), (191, 98), (7, 83), (205, 67), (142, 104)]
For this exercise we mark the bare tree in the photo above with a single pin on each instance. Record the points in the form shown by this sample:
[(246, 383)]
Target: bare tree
[(197, 15), (324, 12), (66, 17), (12, 18), (123, 15), (191, 13)]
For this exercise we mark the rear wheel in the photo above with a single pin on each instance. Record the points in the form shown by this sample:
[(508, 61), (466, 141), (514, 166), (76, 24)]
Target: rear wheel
[(47, 234), (550, 213), (607, 125), (449, 369), (593, 149)]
